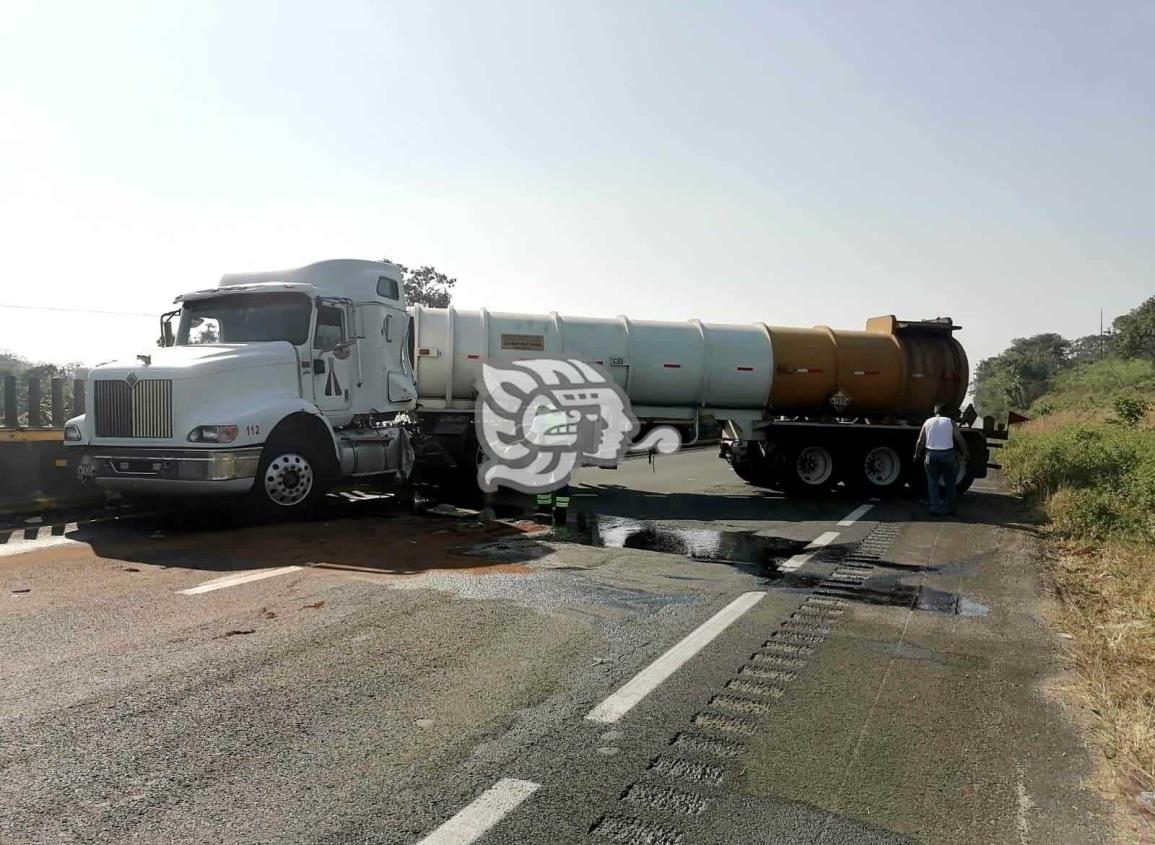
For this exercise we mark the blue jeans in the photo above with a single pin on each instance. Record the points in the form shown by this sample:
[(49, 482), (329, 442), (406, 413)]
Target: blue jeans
[(942, 469)]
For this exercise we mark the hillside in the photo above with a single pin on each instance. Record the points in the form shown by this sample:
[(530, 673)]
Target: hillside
[(1093, 389), (1087, 460)]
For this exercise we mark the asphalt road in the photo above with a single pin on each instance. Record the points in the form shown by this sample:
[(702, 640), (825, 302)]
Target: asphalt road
[(721, 665)]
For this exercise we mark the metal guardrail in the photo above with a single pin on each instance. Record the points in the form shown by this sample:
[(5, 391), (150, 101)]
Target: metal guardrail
[(37, 410)]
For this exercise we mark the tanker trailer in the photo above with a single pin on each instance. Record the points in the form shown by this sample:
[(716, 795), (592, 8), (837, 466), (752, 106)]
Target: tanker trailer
[(801, 410)]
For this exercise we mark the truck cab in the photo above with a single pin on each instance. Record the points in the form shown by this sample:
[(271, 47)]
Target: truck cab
[(274, 384)]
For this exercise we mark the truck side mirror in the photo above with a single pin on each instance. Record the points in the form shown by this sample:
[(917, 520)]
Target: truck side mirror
[(318, 366), (166, 337)]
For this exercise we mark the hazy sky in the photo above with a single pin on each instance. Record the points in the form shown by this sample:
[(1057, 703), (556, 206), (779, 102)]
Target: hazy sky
[(790, 163)]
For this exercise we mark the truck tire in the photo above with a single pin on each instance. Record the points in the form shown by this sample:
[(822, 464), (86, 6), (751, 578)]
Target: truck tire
[(291, 479), (963, 479), (879, 469), (756, 472), (810, 469)]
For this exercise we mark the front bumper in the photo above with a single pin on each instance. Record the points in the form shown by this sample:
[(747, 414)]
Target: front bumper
[(170, 471)]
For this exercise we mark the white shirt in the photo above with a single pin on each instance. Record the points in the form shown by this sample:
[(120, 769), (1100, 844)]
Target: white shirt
[(939, 433)]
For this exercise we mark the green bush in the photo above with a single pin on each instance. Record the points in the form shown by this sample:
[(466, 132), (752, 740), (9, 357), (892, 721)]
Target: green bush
[(1098, 478), (1131, 408), (1095, 514)]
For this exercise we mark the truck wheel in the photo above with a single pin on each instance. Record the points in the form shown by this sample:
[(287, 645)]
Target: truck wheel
[(963, 480), (291, 479), (810, 470), (880, 469), (756, 472)]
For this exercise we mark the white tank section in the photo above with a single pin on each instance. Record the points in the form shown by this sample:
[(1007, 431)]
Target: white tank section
[(659, 364)]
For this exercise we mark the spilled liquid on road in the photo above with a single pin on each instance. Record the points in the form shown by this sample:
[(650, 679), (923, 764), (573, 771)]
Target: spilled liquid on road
[(748, 547), (695, 542)]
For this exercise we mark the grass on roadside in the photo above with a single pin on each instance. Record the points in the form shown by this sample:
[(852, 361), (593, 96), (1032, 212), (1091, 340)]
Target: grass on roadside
[(1094, 474), (1107, 601)]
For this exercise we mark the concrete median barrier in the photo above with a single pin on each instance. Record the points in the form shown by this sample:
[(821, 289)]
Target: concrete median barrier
[(36, 473)]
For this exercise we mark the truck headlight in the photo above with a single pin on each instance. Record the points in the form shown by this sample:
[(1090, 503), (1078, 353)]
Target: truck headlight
[(72, 434), (213, 434)]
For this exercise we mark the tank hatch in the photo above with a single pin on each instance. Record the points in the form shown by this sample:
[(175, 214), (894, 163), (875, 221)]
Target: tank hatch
[(889, 324)]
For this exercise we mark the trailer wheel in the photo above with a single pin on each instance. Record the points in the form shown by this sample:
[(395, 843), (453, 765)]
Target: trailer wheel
[(756, 472), (963, 480), (291, 479), (810, 469), (881, 469)]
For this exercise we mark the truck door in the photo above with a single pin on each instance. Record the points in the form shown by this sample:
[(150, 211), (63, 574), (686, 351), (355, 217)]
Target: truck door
[(334, 367), (398, 334)]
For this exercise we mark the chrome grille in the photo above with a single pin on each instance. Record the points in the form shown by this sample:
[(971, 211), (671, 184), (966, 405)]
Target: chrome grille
[(142, 409)]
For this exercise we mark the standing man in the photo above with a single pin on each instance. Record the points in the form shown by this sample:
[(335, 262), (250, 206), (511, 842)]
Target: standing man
[(941, 445)]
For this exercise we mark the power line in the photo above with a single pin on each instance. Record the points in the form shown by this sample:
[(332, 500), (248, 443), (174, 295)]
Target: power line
[(78, 310)]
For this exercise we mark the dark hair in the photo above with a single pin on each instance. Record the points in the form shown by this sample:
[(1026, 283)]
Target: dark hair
[(940, 408)]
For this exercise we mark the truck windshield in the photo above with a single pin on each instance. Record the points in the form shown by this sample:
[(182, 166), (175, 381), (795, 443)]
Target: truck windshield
[(245, 318)]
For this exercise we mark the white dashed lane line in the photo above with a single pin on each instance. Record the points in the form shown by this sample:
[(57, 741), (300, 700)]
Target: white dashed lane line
[(486, 810), (811, 549), (803, 557), (855, 515), (240, 578), (646, 681)]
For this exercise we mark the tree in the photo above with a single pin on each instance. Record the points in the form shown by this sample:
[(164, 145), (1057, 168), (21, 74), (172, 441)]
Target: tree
[(23, 369), (426, 286), (1091, 348), (1135, 332), (1019, 375)]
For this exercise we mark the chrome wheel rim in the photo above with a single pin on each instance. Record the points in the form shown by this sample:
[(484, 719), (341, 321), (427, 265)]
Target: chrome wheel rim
[(288, 479), (814, 465), (882, 466)]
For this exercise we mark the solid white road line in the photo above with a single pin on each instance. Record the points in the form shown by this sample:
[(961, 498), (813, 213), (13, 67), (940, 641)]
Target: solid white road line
[(643, 683), (855, 515), (803, 557), (486, 810), (234, 580)]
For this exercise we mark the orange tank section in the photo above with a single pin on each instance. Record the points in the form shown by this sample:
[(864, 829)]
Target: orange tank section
[(892, 368)]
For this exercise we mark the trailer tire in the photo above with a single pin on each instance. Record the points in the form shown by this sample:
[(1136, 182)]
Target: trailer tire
[(810, 469), (879, 468), (291, 479), (755, 472), (964, 478)]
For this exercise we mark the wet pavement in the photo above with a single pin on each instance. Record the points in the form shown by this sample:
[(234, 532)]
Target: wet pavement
[(366, 676), (697, 542)]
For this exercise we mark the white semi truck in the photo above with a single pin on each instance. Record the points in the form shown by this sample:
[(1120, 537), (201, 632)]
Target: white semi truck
[(279, 385)]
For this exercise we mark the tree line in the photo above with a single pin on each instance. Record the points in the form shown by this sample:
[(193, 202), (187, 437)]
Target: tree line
[(1020, 374), (23, 369)]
